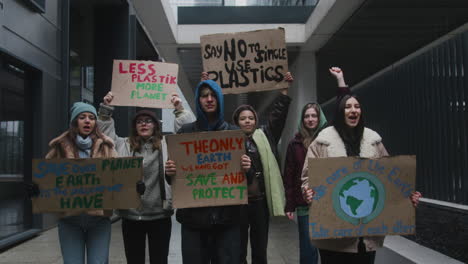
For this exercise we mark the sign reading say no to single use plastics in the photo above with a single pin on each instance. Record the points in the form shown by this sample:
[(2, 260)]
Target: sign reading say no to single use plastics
[(246, 61)]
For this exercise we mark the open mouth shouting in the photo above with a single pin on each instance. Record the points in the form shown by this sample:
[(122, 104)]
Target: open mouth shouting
[(352, 112), (86, 123)]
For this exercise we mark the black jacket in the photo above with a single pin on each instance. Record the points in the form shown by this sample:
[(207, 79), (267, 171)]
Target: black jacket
[(276, 121), (273, 130), (208, 217)]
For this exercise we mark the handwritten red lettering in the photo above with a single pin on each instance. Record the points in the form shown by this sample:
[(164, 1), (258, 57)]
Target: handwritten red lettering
[(212, 145)]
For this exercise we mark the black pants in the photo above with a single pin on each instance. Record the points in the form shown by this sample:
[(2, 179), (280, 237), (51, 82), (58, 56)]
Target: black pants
[(219, 244), (134, 236), (255, 217), (334, 257)]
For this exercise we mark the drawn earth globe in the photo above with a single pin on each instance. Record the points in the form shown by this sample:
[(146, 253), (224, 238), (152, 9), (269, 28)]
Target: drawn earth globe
[(358, 197)]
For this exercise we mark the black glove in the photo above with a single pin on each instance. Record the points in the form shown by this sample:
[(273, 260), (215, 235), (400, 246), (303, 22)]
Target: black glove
[(32, 189), (140, 187)]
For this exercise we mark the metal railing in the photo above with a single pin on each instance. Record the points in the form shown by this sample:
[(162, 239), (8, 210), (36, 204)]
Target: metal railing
[(420, 107)]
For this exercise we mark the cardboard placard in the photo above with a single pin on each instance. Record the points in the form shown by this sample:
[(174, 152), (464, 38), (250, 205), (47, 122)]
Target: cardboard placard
[(86, 184), (246, 61), (208, 165), (144, 83), (357, 197)]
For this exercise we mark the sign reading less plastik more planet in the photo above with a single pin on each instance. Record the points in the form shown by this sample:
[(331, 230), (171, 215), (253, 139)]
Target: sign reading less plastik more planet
[(86, 184), (356, 197), (144, 83), (246, 61), (209, 169)]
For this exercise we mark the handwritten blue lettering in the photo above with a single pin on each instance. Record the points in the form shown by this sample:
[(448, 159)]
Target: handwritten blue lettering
[(319, 232), (320, 191), (213, 157), (405, 188), (343, 171), (401, 228), (59, 169)]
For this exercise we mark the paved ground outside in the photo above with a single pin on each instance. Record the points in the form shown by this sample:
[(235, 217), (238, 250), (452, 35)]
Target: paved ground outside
[(282, 249)]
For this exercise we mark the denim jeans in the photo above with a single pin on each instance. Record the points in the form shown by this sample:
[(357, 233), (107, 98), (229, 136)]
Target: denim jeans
[(84, 233), (307, 252)]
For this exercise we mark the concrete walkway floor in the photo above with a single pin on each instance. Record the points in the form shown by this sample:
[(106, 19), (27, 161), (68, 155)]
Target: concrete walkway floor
[(45, 248), (283, 247)]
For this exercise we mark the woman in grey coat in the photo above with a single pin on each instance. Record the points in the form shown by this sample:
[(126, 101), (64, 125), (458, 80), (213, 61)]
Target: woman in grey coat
[(152, 218)]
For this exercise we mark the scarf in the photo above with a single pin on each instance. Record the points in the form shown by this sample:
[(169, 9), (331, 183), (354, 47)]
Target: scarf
[(274, 189), (84, 146)]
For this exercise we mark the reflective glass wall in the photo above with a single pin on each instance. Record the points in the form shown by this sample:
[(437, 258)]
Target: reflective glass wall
[(14, 138)]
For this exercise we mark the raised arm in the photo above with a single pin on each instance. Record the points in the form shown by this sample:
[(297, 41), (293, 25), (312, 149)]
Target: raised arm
[(105, 121), (279, 112), (182, 116), (343, 88)]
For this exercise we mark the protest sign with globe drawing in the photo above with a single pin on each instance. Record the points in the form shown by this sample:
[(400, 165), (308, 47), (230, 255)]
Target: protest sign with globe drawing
[(361, 197)]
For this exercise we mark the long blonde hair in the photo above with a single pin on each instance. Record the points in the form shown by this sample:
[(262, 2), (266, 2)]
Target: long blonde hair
[(308, 135)]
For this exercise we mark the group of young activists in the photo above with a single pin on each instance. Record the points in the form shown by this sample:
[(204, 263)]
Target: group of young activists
[(216, 234)]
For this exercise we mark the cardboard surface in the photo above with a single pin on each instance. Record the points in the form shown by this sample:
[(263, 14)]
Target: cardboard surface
[(82, 184), (246, 61), (144, 83), (362, 197), (208, 166)]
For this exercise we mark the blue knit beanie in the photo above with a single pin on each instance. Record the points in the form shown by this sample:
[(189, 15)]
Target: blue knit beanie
[(80, 107)]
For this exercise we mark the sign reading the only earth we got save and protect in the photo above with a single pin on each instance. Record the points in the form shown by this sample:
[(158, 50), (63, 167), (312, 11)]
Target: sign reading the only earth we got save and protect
[(357, 197), (86, 184), (144, 83), (246, 61), (209, 169)]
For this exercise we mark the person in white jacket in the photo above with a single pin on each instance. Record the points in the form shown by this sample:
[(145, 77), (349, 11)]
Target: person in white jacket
[(152, 219)]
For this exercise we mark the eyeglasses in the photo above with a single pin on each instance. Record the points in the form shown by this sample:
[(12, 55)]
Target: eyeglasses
[(144, 121)]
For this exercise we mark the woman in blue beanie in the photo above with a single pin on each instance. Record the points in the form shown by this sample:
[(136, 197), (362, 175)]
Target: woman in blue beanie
[(86, 231)]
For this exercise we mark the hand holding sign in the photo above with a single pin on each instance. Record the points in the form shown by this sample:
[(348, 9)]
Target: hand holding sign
[(176, 101), (170, 168), (107, 100), (308, 194), (245, 163), (204, 76), (288, 78), (415, 196)]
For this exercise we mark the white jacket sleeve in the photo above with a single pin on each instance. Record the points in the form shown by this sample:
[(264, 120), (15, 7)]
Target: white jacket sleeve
[(182, 117)]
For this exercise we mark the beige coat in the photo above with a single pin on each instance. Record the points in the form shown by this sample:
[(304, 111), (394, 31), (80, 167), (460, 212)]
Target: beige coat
[(329, 144), (62, 148)]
